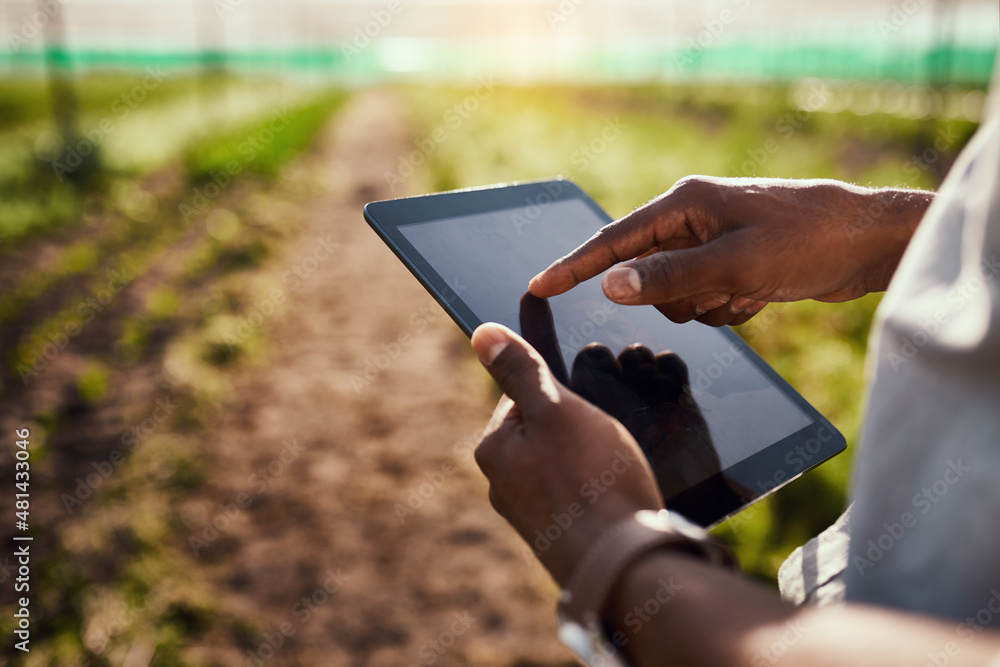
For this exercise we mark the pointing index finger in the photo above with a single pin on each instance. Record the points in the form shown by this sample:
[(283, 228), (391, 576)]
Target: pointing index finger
[(622, 240)]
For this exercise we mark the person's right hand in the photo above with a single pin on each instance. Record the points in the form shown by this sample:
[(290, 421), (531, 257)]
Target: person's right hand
[(719, 249)]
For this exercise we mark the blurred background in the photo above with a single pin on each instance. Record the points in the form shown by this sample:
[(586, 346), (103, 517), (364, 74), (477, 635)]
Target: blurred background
[(250, 428)]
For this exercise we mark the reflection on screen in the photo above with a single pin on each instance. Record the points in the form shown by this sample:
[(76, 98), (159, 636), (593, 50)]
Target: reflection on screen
[(488, 259)]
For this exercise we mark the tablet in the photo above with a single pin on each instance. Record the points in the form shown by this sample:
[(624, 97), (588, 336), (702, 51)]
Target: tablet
[(743, 431)]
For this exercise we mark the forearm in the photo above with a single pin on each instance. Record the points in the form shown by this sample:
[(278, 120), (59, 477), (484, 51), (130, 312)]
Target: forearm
[(714, 617)]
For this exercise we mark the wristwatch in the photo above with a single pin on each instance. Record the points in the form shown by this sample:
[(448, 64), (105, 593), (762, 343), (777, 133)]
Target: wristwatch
[(581, 627)]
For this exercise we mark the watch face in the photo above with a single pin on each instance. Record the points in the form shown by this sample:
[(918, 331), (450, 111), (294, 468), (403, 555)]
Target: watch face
[(668, 521), (576, 638), (656, 520), (591, 646)]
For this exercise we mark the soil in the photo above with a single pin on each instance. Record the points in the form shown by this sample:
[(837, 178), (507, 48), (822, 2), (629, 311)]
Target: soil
[(358, 530), (380, 391)]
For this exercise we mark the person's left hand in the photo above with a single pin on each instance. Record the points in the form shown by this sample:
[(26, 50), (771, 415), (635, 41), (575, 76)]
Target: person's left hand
[(561, 470)]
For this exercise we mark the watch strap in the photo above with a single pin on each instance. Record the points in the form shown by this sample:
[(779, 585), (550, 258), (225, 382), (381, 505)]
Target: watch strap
[(594, 578)]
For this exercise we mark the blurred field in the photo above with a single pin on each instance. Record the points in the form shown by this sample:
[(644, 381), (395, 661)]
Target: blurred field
[(190, 318)]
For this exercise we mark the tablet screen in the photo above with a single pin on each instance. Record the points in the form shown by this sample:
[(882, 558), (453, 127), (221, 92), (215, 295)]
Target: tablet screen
[(743, 430), (488, 259)]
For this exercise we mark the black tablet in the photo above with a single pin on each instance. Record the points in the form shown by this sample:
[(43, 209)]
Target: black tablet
[(744, 430)]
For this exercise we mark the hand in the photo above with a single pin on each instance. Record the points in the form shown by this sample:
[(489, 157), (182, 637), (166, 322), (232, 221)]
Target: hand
[(557, 465), (719, 250)]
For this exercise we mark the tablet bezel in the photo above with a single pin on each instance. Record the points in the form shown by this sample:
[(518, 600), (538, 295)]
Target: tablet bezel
[(709, 502)]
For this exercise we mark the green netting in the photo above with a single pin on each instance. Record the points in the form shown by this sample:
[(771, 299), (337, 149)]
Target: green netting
[(966, 65)]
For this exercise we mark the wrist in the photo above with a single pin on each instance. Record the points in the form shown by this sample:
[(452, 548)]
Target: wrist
[(888, 218), (590, 591)]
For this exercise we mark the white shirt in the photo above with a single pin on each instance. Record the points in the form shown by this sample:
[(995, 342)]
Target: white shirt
[(923, 531)]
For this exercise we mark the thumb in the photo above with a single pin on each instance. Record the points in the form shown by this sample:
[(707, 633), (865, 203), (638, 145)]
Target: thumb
[(519, 370), (671, 275)]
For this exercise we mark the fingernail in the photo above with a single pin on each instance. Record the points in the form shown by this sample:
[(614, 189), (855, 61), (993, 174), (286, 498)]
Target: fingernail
[(739, 304), (495, 351), (531, 283), (703, 308), (622, 283), (489, 340)]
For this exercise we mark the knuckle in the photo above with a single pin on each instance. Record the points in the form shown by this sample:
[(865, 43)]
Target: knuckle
[(693, 186), (603, 244), (687, 183), (487, 453)]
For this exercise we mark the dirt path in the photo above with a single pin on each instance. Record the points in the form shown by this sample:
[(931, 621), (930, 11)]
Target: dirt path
[(365, 536)]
